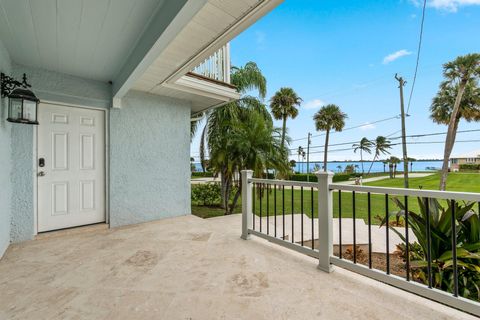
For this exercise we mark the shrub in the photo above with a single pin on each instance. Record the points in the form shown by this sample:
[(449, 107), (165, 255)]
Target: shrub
[(206, 194), (469, 167), (467, 238), (202, 174), (313, 178)]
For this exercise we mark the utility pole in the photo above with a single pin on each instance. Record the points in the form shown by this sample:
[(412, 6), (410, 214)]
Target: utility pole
[(308, 156), (402, 83)]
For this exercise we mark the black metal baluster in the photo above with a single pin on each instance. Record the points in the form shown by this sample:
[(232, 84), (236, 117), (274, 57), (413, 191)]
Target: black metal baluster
[(261, 198), (283, 212), (253, 205), (293, 209), (407, 244), (354, 229), (275, 209), (313, 233), (340, 223), (369, 209), (387, 235), (268, 209), (301, 209), (429, 249), (454, 250)]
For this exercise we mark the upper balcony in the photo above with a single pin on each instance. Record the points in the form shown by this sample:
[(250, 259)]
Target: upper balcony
[(216, 67)]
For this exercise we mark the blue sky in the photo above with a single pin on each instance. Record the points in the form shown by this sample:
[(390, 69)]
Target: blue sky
[(347, 53)]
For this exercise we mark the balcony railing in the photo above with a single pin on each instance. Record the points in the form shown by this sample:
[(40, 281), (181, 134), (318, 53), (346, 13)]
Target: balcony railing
[(300, 216), (217, 66)]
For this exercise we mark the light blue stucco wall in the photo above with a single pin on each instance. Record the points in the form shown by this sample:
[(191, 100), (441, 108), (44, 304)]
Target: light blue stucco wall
[(5, 160), (149, 159), (54, 87), (149, 141)]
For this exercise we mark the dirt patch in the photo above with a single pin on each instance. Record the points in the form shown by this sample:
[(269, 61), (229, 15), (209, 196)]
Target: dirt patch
[(249, 285), (143, 258), (379, 260)]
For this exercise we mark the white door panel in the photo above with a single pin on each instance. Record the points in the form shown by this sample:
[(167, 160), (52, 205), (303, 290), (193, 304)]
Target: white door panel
[(71, 184)]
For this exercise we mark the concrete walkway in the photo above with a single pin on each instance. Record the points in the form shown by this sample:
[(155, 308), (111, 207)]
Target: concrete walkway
[(189, 268)]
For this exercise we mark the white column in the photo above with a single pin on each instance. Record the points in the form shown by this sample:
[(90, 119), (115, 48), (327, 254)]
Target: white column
[(246, 203), (325, 220)]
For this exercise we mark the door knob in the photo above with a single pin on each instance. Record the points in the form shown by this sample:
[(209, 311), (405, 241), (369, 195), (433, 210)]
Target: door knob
[(41, 173)]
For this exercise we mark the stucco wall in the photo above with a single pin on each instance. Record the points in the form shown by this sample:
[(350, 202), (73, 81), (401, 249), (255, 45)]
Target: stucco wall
[(50, 86), (149, 159), (5, 160)]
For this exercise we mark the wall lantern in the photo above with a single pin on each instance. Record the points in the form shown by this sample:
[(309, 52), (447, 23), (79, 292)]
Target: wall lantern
[(22, 103)]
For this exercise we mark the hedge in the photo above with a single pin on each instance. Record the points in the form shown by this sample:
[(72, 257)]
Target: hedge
[(469, 166), (313, 178), (202, 174)]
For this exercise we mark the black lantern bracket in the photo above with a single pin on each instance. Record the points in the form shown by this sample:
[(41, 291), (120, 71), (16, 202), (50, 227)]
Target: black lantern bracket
[(9, 84)]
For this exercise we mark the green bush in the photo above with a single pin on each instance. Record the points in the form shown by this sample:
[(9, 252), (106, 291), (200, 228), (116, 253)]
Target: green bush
[(207, 194), (202, 174), (469, 167), (313, 178), (467, 225)]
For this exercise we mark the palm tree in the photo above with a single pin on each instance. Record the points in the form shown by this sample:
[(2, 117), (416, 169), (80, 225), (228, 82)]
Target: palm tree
[(327, 118), (221, 121), (254, 144), (283, 105), (461, 80), (365, 145), (394, 161), (339, 168), (382, 145)]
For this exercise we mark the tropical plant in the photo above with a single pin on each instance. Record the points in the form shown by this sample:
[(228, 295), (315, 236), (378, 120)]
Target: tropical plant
[(328, 118), (339, 168), (284, 105), (458, 97), (221, 121), (382, 145), (364, 145), (394, 161), (467, 236)]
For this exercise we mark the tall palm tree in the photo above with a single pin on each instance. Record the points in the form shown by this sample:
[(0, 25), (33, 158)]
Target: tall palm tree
[(284, 105), (460, 75), (365, 145), (382, 145), (328, 118)]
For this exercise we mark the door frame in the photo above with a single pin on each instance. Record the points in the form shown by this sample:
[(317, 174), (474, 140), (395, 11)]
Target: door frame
[(106, 112)]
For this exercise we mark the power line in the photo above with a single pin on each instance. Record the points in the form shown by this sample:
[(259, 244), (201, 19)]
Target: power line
[(351, 128), (414, 136), (418, 54)]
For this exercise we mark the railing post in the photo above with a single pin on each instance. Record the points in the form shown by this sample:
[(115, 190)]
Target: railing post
[(246, 203), (325, 221)]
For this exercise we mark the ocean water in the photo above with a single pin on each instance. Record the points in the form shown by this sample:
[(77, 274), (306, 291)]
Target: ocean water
[(338, 166)]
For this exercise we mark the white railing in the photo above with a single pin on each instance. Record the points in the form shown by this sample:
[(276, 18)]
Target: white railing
[(217, 66), (300, 216)]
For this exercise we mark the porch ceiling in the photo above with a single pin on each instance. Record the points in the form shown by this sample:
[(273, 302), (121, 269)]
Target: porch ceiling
[(188, 268), (86, 38)]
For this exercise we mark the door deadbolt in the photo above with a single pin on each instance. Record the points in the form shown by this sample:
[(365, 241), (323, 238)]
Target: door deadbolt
[(41, 162)]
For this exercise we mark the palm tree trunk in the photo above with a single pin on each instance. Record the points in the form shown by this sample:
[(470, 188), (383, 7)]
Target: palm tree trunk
[(237, 195), (371, 165), (284, 129), (451, 134), (361, 160), (325, 154), (202, 148)]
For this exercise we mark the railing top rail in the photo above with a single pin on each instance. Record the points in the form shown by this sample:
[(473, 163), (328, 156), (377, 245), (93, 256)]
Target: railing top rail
[(451, 195), (285, 182)]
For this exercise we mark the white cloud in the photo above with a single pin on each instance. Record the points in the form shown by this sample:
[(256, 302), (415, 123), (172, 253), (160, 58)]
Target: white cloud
[(447, 5), (367, 126), (396, 55), (313, 104)]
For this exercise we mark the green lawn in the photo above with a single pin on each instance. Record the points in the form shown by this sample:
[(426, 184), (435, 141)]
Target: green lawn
[(457, 181)]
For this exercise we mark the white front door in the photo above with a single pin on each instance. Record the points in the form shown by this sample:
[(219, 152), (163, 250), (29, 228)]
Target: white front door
[(70, 167)]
